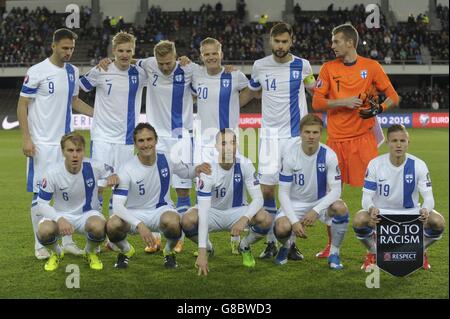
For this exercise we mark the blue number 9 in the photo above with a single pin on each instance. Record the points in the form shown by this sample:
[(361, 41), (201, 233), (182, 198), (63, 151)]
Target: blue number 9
[(51, 87)]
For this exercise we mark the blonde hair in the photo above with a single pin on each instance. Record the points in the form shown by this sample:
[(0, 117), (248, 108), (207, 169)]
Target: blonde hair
[(210, 41), (310, 119), (164, 47), (75, 137), (123, 37)]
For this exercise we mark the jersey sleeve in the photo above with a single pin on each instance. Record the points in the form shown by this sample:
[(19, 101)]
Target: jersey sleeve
[(370, 179), (242, 80), (76, 89), (30, 84), (333, 171), (205, 185), (321, 89), (254, 84), (423, 180), (286, 176), (307, 75), (46, 189), (124, 184), (143, 78), (102, 171), (383, 84), (89, 81), (251, 176)]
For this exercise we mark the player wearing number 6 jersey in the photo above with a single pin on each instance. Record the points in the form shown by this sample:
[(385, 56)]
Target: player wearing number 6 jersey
[(392, 185), (74, 185), (44, 110)]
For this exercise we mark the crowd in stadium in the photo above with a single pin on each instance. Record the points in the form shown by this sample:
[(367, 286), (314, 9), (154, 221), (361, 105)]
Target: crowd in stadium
[(24, 36)]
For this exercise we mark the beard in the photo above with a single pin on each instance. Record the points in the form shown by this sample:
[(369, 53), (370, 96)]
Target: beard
[(280, 54)]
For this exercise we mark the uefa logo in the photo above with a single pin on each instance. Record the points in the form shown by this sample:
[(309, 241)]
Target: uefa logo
[(387, 257), (424, 119)]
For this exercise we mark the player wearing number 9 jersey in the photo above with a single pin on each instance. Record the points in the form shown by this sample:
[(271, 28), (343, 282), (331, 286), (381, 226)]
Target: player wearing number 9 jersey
[(44, 110)]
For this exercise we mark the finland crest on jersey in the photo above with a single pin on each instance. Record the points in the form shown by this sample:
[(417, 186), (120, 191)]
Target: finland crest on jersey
[(363, 74)]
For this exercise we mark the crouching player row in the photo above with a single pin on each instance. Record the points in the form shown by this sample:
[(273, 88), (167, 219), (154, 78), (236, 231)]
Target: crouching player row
[(141, 200), (392, 185)]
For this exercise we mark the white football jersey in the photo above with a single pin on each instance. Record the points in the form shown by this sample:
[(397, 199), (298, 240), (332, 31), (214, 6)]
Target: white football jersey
[(169, 98), (73, 193), (147, 187), (218, 100), (310, 177), (117, 105), (396, 188), (51, 90), (283, 93), (226, 187)]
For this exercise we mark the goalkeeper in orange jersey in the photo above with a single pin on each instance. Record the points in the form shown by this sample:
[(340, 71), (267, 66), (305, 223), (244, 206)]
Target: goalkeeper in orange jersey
[(347, 88)]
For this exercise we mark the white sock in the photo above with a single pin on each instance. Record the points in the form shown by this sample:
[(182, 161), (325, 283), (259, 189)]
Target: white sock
[(35, 219), (123, 245), (67, 240), (251, 238)]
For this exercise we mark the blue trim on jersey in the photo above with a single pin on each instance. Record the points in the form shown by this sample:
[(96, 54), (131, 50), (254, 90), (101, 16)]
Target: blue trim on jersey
[(192, 88), (409, 174), (121, 192), (286, 178), (133, 86), (254, 84), (224, 100), (88, 86), (370, 185), (164, 180), (321, 170), (294, 88), (45, 195), (203, 194), (30, 175), (177, 99), (71, 84), (238, 186), (27, 90), (89, 185)]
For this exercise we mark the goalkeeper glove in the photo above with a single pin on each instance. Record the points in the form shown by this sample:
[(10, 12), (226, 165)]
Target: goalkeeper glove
[(373, 109)]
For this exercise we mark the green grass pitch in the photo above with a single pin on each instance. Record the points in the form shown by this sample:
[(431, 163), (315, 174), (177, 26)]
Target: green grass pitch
[(22, 276)]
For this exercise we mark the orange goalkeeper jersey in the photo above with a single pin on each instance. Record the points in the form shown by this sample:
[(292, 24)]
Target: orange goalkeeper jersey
[(337, 81)]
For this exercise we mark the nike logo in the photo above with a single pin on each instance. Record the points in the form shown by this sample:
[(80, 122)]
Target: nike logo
[(49, 78), (61, 189), (138, 182), (6, 125), (108, 80), (382, 180), (336, 77)]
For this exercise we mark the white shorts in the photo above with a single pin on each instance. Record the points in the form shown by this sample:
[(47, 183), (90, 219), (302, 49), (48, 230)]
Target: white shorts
[(224, 219), (46, 157), (112, 154), (270, 156), (177, 149), (150, 217), (300, 213), (78, 221)]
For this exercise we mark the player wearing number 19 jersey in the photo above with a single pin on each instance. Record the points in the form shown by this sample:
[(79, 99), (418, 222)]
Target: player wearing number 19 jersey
[(392, 185)]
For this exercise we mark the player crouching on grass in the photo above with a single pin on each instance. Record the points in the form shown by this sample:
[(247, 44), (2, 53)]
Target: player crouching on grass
[(392, 184), (310, 189), (222, 203), (141, 201), (74, 186)]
